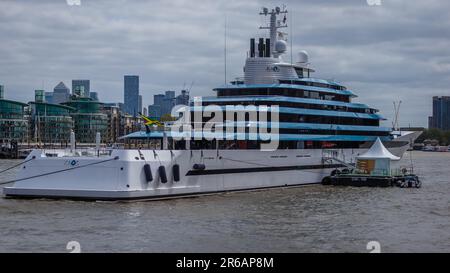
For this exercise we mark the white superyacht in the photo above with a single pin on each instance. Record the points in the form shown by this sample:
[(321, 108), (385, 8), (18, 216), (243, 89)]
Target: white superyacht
[(316, 126)]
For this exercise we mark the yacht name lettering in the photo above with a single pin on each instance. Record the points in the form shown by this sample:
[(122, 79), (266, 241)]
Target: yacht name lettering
[(71, 162)]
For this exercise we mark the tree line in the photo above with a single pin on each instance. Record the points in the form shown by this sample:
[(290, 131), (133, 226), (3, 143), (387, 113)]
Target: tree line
[(440, 135)]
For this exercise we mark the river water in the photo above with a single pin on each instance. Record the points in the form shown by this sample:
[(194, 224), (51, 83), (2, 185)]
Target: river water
[(306, 219)]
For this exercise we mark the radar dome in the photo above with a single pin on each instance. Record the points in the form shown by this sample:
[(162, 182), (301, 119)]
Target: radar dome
[(303, 56), (280, 46)]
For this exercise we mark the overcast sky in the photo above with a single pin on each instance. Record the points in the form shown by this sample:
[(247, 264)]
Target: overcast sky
[(399, 50)]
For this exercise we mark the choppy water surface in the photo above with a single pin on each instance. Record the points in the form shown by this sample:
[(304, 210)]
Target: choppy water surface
[(306, 219)]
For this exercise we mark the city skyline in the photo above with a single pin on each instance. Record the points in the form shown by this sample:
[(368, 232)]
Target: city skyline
[(63, 92), (385, 58)]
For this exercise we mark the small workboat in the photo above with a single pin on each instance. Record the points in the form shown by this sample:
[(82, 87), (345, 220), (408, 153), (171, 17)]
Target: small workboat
[(373, 169)]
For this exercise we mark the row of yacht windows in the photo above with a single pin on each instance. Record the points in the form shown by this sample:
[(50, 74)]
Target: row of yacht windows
[(296, 118), (287, 92), (300, 105), (328, 120), (254, 144), (333, 132), (315, 84), (248, 130)]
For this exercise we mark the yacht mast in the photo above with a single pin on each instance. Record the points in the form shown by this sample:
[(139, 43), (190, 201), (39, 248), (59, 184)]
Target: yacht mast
[(274, 26)]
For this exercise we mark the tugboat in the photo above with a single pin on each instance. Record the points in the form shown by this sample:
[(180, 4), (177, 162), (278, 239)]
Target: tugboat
[(373, 169)]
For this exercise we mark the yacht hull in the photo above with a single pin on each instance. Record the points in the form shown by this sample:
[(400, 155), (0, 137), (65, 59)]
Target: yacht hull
[(121, 176)]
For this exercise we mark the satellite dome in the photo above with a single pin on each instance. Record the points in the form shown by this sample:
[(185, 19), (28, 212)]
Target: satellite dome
[(280, 46), (303, 56)]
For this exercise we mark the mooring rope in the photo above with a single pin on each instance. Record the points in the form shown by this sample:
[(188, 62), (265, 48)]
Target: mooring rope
[(59, 171), (17, 165), (247, 162)]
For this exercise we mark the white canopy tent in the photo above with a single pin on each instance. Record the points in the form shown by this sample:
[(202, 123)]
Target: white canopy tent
[(377, 160), (378, 151)]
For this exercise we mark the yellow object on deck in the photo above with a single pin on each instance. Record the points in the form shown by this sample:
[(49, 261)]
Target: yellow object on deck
[(149, 121)]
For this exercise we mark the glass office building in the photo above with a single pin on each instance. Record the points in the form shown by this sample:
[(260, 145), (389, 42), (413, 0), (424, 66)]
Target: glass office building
[(131, 95), (2, 91), (88, 119), (13, 121), (61, 93), (441, 113), (114, 122), (52, 123), (81, 88)]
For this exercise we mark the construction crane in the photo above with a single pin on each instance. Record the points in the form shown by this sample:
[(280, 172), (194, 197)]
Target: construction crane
[(396, 114)]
